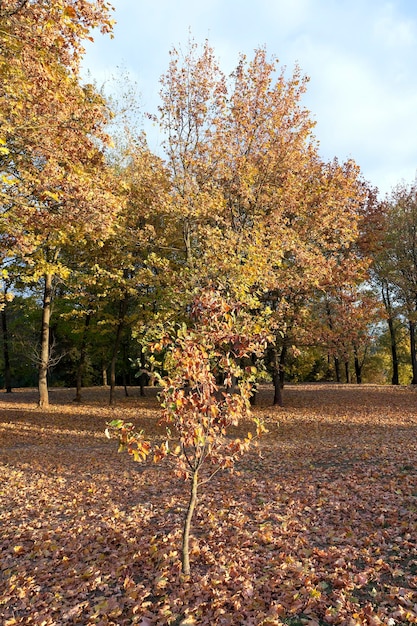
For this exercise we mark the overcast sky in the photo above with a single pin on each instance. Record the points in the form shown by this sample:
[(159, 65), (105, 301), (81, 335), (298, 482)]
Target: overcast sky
[(360, 55)]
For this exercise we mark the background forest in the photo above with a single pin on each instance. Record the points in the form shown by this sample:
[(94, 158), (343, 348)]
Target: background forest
[(105, 245)]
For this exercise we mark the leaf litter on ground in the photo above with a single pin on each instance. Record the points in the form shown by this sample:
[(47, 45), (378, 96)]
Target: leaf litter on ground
[(318, 526)]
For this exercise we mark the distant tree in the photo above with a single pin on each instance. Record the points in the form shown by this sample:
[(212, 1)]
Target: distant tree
[(349, 319), (396, 267)]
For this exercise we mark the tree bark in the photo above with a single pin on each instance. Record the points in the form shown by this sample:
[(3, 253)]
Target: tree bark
[(81, 362), (273, 360), (44, 355), (335, 358), (412, 329), (6, 351), (104, 372), (187, 524), (278, 400), (187, 242), (358, 371), (282, 362), (395, 380), (142, 375), (276, 378), (347, 373), (337, 368), (116, 346)]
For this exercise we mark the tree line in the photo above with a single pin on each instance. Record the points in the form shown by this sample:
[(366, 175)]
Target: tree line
[(105, 245)]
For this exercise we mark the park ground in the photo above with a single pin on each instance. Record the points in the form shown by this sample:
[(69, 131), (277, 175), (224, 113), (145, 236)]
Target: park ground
[(318, 526)]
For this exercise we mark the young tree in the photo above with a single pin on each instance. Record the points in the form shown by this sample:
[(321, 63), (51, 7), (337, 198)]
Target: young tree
[(197, 412)]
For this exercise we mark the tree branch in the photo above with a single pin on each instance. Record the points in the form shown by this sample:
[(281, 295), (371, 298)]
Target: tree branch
[(8, 13)]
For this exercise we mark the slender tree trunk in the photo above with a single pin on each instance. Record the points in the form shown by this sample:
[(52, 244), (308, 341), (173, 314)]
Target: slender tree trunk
[(337, 368), (254, 391), (141, 387), (113, 362), (81, 362), (359, 364), (104, 372), (187, 242), (394, 354), (282, 363), (253, 398), (6, 351), (116, 346), (126, 378), (187, 525), (329, 372), (278, 400), (347, 373), (412, 328), (44, 356), (358, 371), (335, 358), (393, 336), (276, 378), (142, 376)]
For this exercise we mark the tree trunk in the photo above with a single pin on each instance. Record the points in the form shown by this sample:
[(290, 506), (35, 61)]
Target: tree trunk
[(126, 377), (253, 395), (412, 327), (187, 525), (6, 352), (278, 400), (395, 380), (337, 368), (276, 378), (187, 242), (116, 346), (335, 358), (143, 378), (282, 362), (81, 362), (347, 373), (393, 336), (44, 356), (358, 371), (104, 372)]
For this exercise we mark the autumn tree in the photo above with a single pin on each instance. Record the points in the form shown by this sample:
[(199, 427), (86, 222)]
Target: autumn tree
[(347, 324), (55, 186), (130, 269), (396, 263), (261, 212), (198, 412)]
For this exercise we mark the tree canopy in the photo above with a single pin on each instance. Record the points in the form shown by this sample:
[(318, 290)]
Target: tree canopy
[(239, 198)]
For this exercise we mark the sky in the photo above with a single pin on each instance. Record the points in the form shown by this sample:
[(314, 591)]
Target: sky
[(360, 57)]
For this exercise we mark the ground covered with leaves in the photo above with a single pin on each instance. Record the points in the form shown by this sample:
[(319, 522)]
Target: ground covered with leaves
[(319, 526)]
